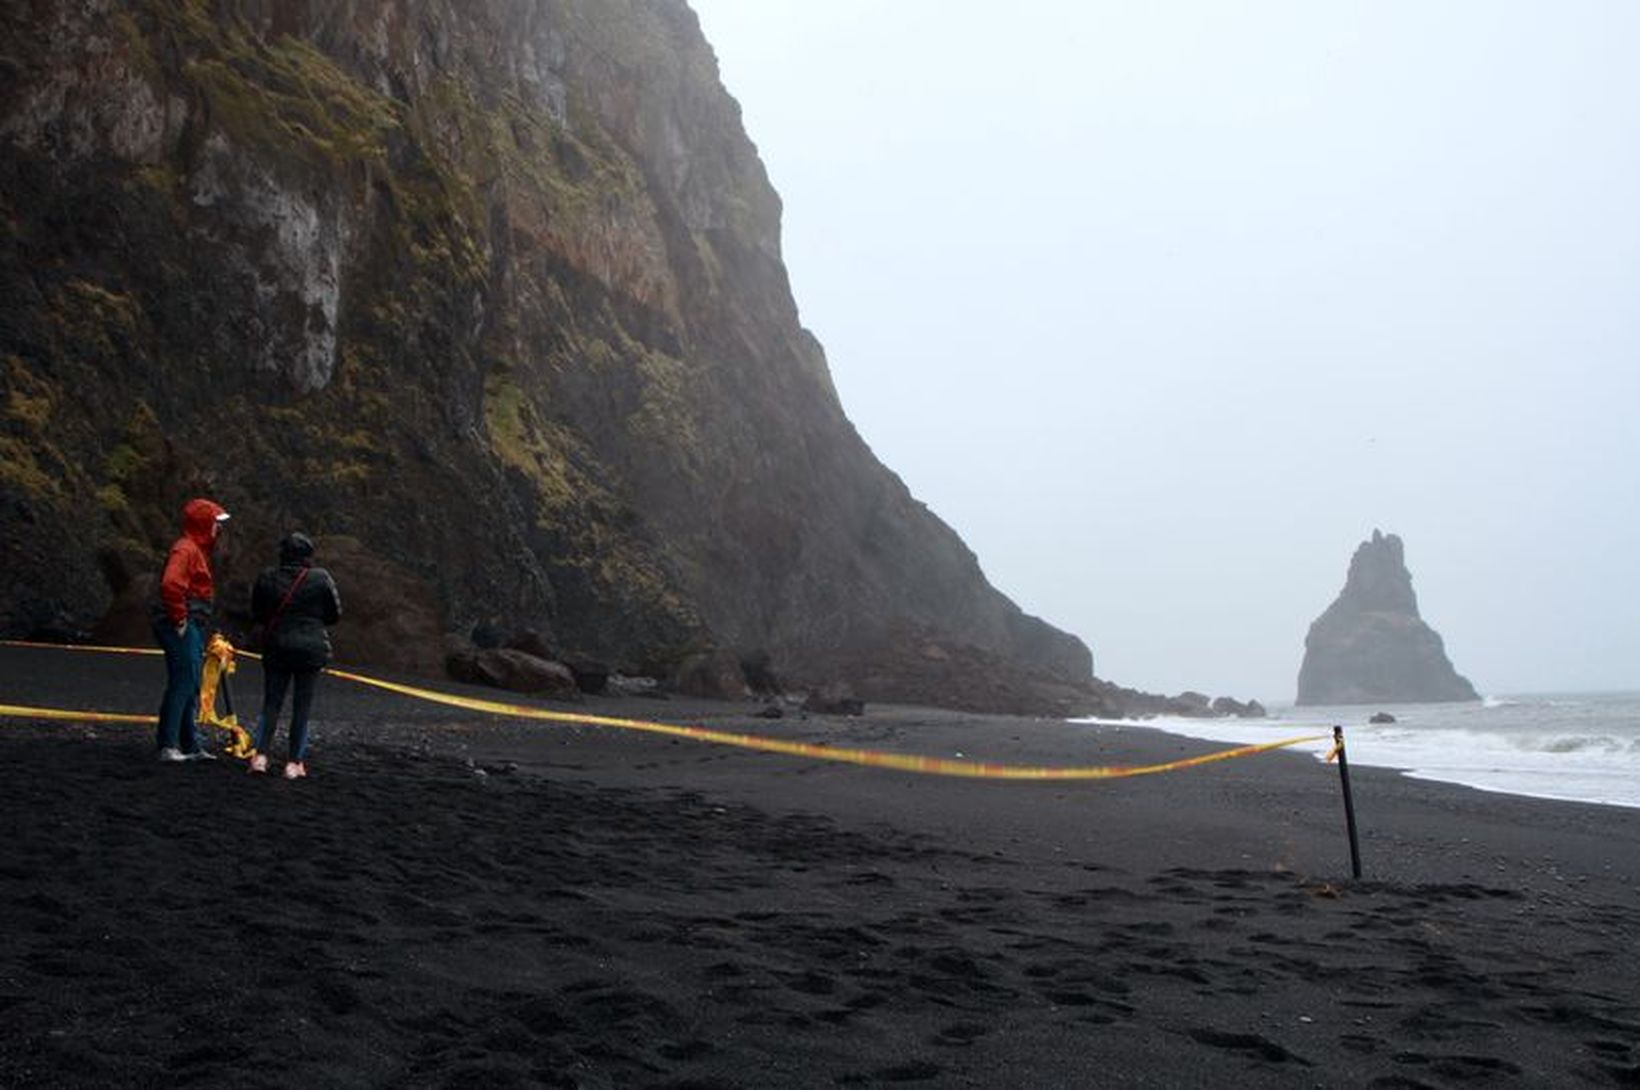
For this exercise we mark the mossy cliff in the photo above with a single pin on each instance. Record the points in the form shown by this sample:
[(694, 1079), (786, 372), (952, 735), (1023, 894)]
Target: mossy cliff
[(492, 288)]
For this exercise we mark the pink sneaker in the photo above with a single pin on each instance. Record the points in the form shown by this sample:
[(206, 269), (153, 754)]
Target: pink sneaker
[(259, 762), (295, 770)]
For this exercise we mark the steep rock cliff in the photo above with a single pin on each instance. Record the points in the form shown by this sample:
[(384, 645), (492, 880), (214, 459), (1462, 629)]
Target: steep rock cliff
[(492, 290), (1370, 646)]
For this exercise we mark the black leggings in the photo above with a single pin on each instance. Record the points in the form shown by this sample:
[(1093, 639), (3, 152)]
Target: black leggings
[(275, 679)]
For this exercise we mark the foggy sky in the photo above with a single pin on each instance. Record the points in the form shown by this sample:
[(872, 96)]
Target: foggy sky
[(1165, 307)]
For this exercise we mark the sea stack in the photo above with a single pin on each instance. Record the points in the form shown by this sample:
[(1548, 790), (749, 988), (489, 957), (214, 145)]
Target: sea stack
[(1370, 646)]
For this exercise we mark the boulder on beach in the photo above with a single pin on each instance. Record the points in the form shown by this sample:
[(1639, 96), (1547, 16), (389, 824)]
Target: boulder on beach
[(715, 675), (834, 698), (509, 668)]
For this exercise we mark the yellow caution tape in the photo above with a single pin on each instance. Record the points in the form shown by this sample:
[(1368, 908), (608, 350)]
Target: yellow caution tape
[(82, 647), (219, 656), (18, 711), (903, 762)]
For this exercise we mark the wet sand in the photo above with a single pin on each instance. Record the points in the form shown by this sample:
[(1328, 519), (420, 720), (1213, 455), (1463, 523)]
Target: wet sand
[(460, 900)]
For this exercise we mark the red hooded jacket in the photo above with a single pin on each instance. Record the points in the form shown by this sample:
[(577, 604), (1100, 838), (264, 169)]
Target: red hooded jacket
[(188, 569)]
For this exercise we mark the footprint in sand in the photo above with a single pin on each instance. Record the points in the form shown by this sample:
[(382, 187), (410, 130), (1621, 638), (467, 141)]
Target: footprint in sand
[(959, 1034), (1250, 1044)]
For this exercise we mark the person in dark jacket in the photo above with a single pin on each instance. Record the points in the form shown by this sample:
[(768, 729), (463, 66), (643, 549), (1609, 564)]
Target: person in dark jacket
[(294, 603), (181, 613)]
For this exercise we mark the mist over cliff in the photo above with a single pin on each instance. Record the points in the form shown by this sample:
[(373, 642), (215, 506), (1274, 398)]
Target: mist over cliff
[(490, 296)]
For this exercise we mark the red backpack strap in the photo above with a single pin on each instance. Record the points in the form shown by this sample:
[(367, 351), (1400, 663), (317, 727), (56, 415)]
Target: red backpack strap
[(273, 621)]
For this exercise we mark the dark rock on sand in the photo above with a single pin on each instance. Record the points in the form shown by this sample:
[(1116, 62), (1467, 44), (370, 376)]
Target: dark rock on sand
[(590, 677), (1381, 717), (533, 642), (507, 668), (834, 698), (1370, 646), (1194, 703), (715, 675), (618, 684), (1229, 707), (1116, 702)]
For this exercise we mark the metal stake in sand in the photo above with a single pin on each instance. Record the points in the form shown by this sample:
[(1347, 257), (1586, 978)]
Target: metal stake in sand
[(1349, 802)]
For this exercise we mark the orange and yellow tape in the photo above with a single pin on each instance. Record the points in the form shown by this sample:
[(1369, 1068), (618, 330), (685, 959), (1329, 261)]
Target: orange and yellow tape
[(901, 762)]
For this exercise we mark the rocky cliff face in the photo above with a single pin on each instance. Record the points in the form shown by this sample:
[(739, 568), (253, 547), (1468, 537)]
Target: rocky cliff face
[(492, 291), (1370, 646)]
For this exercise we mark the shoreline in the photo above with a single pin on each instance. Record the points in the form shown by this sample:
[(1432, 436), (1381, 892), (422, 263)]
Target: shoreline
[(1509, 745), (453, 899)]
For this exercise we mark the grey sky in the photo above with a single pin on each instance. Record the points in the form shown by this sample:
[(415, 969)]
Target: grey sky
[(1165, 306)]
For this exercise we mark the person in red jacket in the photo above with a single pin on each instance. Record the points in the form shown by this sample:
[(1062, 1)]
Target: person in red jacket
[(181, 616)]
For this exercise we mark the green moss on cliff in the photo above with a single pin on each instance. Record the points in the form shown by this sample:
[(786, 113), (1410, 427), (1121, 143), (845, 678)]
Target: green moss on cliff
[(32, 411), (20, 467), (284, 96), (111, 498), (29, 458), (523, 441), (139, 51), (91, 323), (123, 462), (666, 415), (593, 530), (134, 475), (554, 180)]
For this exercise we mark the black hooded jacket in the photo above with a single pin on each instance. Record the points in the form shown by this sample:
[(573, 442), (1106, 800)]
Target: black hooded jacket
[(296, 638)]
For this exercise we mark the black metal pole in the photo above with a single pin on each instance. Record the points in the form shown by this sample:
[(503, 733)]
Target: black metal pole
[(1349, 802)]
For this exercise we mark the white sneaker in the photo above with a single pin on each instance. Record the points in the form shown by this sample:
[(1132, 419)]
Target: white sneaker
[(171, 753), (199, 755), (259, 762), (295, 770)]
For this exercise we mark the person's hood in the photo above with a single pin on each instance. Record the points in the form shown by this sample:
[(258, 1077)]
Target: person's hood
[(198, 516), (296, 550)]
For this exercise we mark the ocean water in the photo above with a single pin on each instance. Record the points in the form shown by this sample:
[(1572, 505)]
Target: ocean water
[(1582, 747)]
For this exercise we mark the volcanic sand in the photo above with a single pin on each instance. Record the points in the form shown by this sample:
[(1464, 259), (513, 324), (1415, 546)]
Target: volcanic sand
[(452, 899)]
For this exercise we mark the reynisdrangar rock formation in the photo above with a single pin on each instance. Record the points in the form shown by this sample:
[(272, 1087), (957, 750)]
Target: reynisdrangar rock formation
[(1370, 646)]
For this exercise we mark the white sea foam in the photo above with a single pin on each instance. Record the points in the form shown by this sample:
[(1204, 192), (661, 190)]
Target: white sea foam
[(1581, 748)]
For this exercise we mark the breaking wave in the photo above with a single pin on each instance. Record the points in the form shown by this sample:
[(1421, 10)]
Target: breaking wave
[(1576, 747)]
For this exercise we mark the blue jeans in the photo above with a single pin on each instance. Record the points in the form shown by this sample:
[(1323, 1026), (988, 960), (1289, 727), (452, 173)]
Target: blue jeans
[(275, 679), (184, 660)]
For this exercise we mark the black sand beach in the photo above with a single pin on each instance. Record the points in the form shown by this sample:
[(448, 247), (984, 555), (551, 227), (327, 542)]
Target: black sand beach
[(458, 900)]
